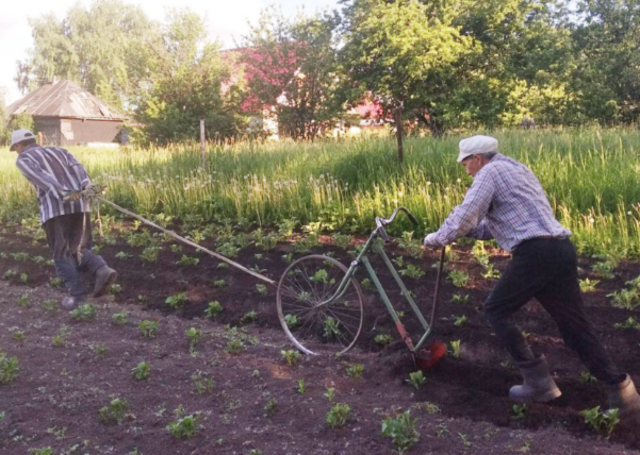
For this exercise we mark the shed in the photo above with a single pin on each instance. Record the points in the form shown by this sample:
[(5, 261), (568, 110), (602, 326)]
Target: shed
[(69, 115)]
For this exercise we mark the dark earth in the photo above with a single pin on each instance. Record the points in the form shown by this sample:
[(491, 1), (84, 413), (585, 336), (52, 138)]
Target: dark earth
[(254, 405)]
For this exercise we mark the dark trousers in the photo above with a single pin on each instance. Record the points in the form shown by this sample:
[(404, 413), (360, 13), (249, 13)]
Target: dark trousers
[(67, 233), (547, 270)]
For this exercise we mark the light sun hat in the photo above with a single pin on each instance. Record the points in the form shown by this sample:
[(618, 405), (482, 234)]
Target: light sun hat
[(477, 145), (20, 135)]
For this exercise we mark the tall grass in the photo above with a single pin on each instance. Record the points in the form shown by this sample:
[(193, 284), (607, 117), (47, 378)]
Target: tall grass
[(591, 177)]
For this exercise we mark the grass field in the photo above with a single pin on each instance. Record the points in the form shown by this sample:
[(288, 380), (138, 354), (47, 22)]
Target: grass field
[(590, 176)]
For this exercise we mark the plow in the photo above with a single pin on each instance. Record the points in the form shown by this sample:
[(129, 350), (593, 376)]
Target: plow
[(320, 301)]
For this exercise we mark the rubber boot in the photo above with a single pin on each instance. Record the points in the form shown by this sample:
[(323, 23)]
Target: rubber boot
[(625, 398), (105, 277), (538, 384)]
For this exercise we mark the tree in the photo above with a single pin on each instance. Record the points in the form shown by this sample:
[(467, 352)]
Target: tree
[(290, 66), (606, 40), (186, 82), (401, 52), (104, 49)]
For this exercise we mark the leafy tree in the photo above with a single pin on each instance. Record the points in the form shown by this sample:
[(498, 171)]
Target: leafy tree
[(606, 39), (186, 83), (290, 67), (401, 51), (104, 49)]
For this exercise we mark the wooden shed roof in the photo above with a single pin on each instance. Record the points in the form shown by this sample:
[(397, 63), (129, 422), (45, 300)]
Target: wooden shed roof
[(63, 99)]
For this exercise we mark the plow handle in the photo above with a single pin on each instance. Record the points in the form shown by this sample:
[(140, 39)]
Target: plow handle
[(436, 296)]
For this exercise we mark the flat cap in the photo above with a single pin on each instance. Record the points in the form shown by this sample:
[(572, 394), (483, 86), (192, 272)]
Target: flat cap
[(477, 145)]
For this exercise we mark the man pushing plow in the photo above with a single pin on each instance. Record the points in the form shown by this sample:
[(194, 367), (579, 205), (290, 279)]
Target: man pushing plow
[(506, 202)]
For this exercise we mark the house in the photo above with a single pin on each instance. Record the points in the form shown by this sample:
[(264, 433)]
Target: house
[(69, 115)]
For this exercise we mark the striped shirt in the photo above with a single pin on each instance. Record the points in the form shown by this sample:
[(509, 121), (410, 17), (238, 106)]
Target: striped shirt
[(505, 202), (52, 170)]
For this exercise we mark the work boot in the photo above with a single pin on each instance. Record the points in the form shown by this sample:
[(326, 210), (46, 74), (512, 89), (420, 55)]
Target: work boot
[(625, 398), (71, 303), (538, 384), (105, 277)]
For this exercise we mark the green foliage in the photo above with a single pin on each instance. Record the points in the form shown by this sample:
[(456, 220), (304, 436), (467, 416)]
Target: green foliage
[(383, 339), (194, 335), (629, 324), (121, 318), (203, 383), (261, 289), (601, 422), (85, 312), (249, 317), (114, 413), (9, 369), (417, 379), (177, 301), (42, 451), (455, 348), (141, 371), (150, 254), (459, 278), (148, 328), (519, 411), (338, 415), (291, 320), (402, 431), (587, 285), (291, 356), (460, 298), (184, 428), (302, 388), (236, 346), (331, 328), (188, 260), (271, 407), (460, 321), (355, 370), (412, 271), (213, 309), (588, 378)]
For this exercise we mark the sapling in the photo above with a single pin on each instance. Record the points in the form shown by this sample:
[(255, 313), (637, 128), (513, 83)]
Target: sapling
[(355, 370), (302, 388), (261, 289), (213, 309), (203, 383), (177, 301), (114, 413), (148, 328), (50, 305), (188, 260), (329, 394), (23, 301), (291, 320), (85, 312), (338, 415), (402, 431), (56, 282), (184, 428), (601, 422), (235, 346), (455, 347), (9, 369), (249, 317), (460, 321), (42, 451), (120, 318), (194, 335), (519, 411), (459, 278), (383, 338), (271, 407), (141, 371), (291, 356), (417, 379), (412, 271)]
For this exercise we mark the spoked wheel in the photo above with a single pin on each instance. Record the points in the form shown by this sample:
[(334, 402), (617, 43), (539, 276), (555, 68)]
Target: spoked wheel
[(313, 321)]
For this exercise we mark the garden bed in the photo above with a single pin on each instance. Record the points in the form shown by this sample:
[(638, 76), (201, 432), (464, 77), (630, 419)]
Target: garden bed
[(254, 403)]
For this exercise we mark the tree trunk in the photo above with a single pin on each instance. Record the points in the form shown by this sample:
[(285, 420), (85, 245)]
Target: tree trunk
[(399, 132)]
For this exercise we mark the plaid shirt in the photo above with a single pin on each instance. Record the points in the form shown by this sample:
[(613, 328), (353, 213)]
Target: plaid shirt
[(505, 202), (51, 171)]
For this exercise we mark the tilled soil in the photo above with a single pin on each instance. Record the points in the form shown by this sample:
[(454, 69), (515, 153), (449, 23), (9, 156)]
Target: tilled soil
[(254, 403)]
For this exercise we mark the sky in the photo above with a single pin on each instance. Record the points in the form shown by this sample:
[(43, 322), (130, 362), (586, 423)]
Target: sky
[(226, 20)]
